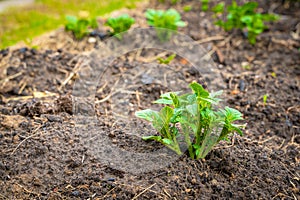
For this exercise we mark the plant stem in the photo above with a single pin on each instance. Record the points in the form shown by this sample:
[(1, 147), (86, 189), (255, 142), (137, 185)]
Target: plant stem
[(205, 132), (188, 141), (175, 148)]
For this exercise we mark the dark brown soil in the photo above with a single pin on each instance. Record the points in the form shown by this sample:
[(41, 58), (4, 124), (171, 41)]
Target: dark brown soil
[(42, 156)]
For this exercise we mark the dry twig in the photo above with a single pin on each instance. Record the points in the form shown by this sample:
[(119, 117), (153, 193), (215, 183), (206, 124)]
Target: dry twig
[(34, 134), (143, 191), (210, 39)]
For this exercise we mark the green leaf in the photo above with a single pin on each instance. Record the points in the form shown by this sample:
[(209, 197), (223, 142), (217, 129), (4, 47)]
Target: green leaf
[(162, 120), (152, 137), (247, 19), (163, 101), (270, 17), (175, 99), (232, 114), (187, 8), (177, 114), (147, 114), (168, 95), (71, 19), (219, 8), (93, 23), (192, 98), (192, 109), (180, 23), (199, 90), (209, 100), (213, 95), (172, 12), (250, 6), (166, 98), (237, 128), (166, 113), (167, 141), (167, 60)]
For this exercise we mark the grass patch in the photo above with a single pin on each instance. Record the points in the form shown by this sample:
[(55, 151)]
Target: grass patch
[(24, 23)]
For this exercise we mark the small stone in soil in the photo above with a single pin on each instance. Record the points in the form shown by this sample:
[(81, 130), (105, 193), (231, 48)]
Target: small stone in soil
[(111, 179), (54, 118), (146, 79), (102, 36), (4, 52), (242, 85), (288, 123), (34, 51), (2, 166), (92, 40), (23, 50), (75, 193)]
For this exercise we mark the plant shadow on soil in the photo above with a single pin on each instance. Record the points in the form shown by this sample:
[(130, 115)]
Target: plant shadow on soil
[(42, 156)]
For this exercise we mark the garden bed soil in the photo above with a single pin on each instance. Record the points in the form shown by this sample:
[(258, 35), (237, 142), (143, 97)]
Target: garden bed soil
[(43, 157)]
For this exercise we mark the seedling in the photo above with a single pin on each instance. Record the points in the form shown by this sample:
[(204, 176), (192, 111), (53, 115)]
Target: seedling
[(245, 18), (191, 117), (204, 5), (247, 67), (174, 2), (80, 27), (120, 24), (165, 22), (219, 8), (167, 60), (187, 8), (265, 97)]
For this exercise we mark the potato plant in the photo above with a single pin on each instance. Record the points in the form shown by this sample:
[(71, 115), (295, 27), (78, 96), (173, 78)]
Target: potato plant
[(120, 24), (80, 26), (165, 22), (244, 17), (191, 116)]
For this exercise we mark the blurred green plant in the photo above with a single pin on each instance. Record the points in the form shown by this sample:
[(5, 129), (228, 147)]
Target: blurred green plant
[(169, 1), (80, 27), (219, 8), (167, 60), (187, 8), (120, 24), (22, 23), (245, 18), (204, 5), (265, 97), (165, 22), (192, 117)]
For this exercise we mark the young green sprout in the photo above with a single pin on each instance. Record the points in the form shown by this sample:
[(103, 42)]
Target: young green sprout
[(165, 22), (120, 24), (244, 18), (204, 5), (167, 60), (80, 27), (187, 8), (191, 117), (265, 97)]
